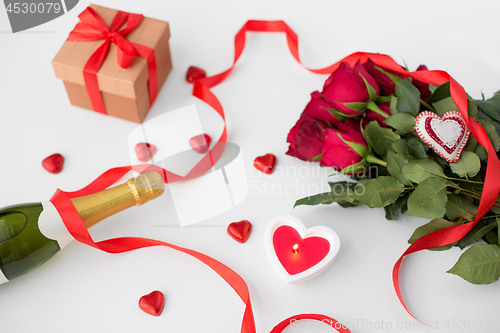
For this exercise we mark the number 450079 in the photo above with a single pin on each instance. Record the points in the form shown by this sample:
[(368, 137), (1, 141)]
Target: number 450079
[(24, 7)]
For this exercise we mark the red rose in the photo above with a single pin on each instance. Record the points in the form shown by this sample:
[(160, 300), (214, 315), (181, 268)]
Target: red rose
[(317, 108), (425, 93), (307, 138), (347, 91), (345, 148), (385, 79)]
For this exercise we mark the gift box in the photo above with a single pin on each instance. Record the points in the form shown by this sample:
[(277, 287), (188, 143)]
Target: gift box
[(135, 62)]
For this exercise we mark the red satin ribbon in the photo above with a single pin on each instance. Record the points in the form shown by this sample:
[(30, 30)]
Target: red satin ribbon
[(91, 28), (491, 184), (201, 90), (76, 227)]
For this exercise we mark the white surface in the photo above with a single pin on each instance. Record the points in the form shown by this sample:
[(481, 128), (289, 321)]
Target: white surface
[(316, 231), (52, 226), (84, 290)]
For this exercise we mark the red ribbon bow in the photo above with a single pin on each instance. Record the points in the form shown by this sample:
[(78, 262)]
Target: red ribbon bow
[(91, 28)]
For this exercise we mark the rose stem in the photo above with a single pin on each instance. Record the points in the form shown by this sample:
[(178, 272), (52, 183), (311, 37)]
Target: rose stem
[(497, 204), (372, 159), (427, 105), (374, 107)]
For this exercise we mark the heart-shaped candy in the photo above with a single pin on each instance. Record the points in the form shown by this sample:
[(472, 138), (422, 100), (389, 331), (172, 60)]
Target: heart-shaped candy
[(152, 303), (145, 151), (200, 143), (447, 135), (53, 163), (194, 73), (265, 163), (297, 253), (240, 231)]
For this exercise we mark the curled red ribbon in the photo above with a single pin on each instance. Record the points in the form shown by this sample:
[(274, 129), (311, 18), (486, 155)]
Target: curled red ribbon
[(201, 90), (91, 28), (76, 227), (491, 184)]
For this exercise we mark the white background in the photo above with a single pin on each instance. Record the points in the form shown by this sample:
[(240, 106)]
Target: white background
[(84, 290)]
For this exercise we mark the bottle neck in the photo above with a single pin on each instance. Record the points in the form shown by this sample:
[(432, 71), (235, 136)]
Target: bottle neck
[(98, 206)]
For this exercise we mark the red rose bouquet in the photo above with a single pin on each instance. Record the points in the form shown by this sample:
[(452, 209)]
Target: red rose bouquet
[(406, 150)]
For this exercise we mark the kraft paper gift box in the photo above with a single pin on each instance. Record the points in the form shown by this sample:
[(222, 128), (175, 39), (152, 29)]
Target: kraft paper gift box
[(125, 91)]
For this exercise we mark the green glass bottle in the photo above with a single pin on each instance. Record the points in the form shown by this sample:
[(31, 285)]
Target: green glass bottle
[(30, 234)]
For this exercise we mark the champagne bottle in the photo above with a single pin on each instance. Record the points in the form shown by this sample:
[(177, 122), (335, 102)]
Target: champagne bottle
[(30, 234)]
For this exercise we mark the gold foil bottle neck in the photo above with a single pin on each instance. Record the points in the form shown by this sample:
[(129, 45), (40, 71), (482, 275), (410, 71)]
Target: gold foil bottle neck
[(136, 191), (146, 187)]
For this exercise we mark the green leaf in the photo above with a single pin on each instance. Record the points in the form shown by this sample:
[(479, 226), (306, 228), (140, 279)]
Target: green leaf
[(356, 106), (400, 147), (403, 122), (394, 102), (344, 192), (313, 200), (459, 206), (479, 265), (419, 170), (433, 225), (372, 93), (391, 211), (498, 226), (495, 123), (444, 105), (340, 191), (441, 92), (467, 166), (471, 144), (380, 138), (379, 192), (429, 199), (394, 164), (491, 107), (408, 98), (417, 148), (492, 133), (472, 109), (483, 231)]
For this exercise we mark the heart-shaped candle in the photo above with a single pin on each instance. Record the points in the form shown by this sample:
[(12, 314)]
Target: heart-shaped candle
[(447, 135), (297, 253), (152, 303)]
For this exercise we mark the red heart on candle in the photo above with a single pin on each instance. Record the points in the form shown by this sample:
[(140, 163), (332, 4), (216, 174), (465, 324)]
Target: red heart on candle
[(53, 163), (447, 135), (152, 303), (145, 151), (240, 231), (200, 143), (265, 163), (194, 73), (297, 254)]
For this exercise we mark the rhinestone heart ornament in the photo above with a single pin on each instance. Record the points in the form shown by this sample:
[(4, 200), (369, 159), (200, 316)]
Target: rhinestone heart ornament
[(447, 135)]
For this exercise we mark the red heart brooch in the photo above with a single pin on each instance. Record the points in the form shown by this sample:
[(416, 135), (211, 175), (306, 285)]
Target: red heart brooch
[(152, 303), (240, 231), (53, 163), (447, 135), (297, 253), (265, 164)]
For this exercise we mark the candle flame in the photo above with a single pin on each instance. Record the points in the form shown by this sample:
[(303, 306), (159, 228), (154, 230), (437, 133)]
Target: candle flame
[(295, 248)]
